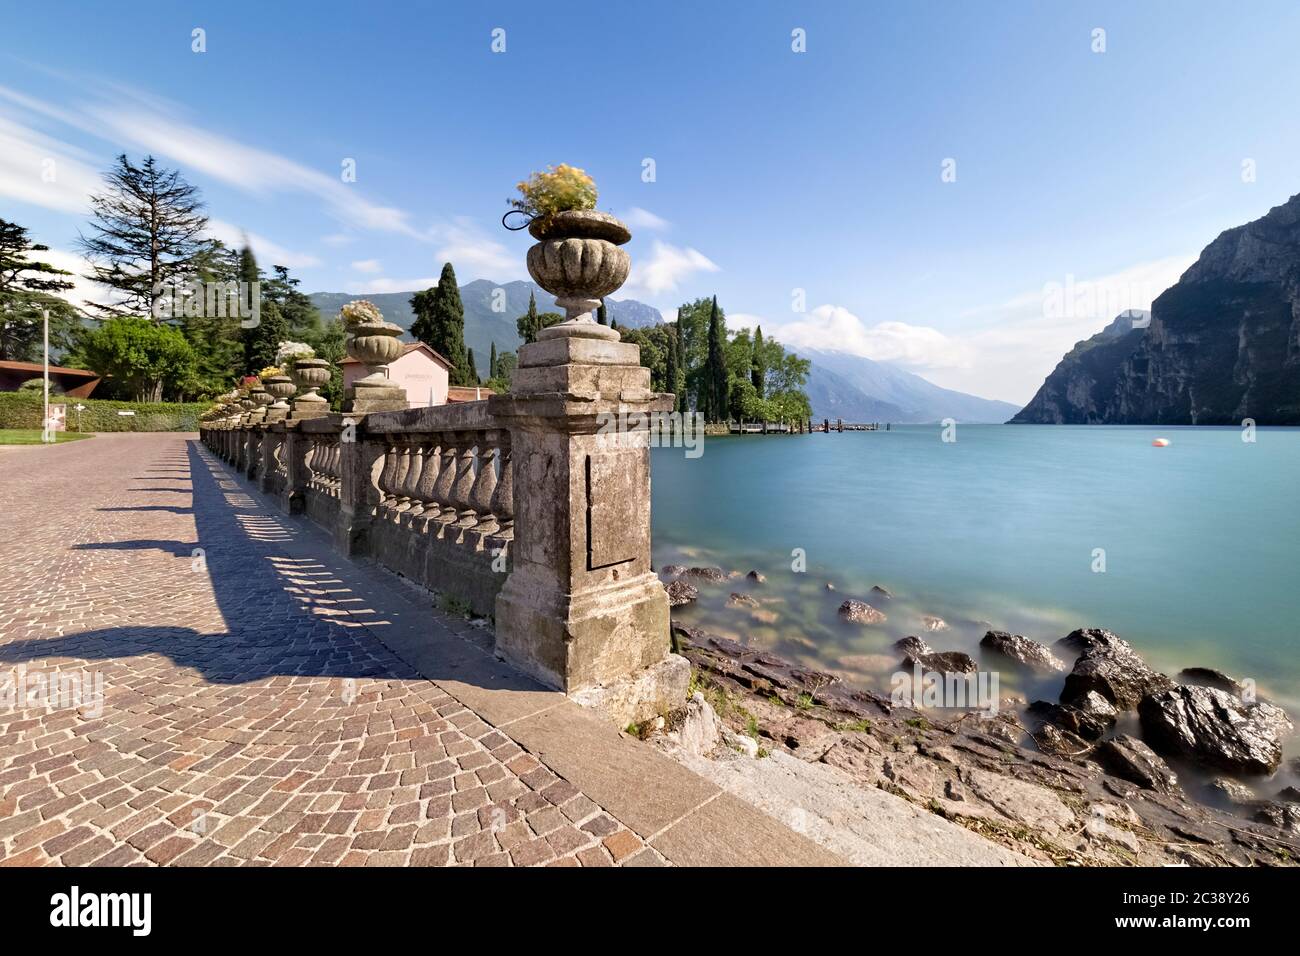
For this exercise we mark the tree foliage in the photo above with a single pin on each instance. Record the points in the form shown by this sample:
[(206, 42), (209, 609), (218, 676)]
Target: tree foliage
[(28, 285), (149, 359)]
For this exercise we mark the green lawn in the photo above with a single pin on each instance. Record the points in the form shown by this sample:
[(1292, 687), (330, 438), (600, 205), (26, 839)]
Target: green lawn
[(32, 436)]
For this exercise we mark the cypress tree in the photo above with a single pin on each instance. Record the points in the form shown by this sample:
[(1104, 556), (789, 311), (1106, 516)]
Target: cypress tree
[(473, 369), (262, 341), (756, 372), (528, 324), (715, 380), (492, 362), (445, 327), (600, 313), (670, 365)]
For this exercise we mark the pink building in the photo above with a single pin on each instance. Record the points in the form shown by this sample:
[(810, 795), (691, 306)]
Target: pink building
[(422, 372)]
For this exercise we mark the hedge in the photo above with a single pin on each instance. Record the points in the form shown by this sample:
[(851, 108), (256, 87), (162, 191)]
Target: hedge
[(19, 410)]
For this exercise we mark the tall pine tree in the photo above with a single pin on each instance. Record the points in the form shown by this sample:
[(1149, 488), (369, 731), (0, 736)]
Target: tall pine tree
[(147, 229), (26, 287), (492, 362), (756, 371)]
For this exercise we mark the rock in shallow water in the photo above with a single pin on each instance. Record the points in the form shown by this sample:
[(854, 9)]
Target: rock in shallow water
[(710, 574), (912, 646), (681, 592), (944, 662), (1209, 677), (1215, 728), (860, 612), (1022, 650)]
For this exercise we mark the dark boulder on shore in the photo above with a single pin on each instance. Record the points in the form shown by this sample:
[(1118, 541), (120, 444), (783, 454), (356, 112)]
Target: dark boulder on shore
[(681, 592), (1024, 651), (1132, 760), (1092, 719), (1209, 677), (860, 612), (758, 577), (1109, 666), (881, 592), (1215, 728)]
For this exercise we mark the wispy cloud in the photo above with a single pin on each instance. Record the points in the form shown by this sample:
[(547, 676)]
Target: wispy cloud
[(368, 265), (131, 119), (267, 251), (665, 269), (638, 218)]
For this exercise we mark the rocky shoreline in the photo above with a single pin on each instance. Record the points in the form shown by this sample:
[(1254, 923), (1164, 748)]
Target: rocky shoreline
[(1080, 781)]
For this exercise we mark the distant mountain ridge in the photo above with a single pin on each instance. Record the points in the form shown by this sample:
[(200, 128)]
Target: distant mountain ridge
[(483, 326), (855, 388), (1223, 343), (840, 385)]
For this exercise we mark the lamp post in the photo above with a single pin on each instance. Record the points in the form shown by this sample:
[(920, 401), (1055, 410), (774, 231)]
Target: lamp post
[(47, 435)]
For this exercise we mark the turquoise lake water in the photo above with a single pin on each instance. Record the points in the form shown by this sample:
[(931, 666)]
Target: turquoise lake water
[(999, 528)]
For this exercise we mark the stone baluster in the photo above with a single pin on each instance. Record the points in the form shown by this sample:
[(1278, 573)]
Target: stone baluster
[(446, 480), (485, 482), (503, 496), (424, 490), (386, 475), (465, 484), (410, 490), (401, 501)]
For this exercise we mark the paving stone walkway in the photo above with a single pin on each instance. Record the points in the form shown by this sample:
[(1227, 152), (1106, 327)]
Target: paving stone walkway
[(250, 713)]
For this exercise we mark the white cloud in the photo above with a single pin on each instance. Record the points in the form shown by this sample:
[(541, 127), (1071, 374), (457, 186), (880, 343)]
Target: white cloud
[(474, 254), (392, 285), (368, 265), (638, 218), (268, 252), (1009, 356), (337, 239), (665, 269), (83, 290)]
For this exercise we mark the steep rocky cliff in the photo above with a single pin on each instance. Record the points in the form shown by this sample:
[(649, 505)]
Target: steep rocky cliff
[(1223, 344)]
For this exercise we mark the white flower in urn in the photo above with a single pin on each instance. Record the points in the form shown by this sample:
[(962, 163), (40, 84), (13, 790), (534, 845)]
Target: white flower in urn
[(361, 312), (290, 352)]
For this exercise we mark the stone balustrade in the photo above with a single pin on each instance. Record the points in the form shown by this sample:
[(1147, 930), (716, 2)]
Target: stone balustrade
[(553, 546)]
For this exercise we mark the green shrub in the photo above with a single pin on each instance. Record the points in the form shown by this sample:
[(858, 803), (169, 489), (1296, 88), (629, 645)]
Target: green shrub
[(23, 410)]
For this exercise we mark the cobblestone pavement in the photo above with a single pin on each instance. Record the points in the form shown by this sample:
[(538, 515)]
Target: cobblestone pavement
[(249, 713)]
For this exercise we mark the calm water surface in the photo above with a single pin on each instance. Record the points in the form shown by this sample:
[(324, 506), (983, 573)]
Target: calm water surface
[(1201, 541)]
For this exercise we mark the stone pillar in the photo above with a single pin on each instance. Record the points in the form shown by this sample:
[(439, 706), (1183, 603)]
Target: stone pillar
[(358, 495), (295, 448), (582, 609)]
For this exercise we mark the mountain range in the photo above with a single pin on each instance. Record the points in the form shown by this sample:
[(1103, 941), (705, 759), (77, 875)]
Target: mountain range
[(483, 325), (840, 385), (1222, 344), (859, 389)]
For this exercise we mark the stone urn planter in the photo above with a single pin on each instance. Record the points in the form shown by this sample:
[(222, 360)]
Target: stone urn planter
[(310, 375), (280, 387), (259, 396), (375, 345), (578, 260)]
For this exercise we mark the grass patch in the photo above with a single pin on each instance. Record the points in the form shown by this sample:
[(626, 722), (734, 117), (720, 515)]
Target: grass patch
[(805, 701), (449, 604), (32, 436), (857, 726)]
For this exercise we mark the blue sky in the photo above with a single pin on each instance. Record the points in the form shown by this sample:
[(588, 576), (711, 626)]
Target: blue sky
[(775, 171)]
